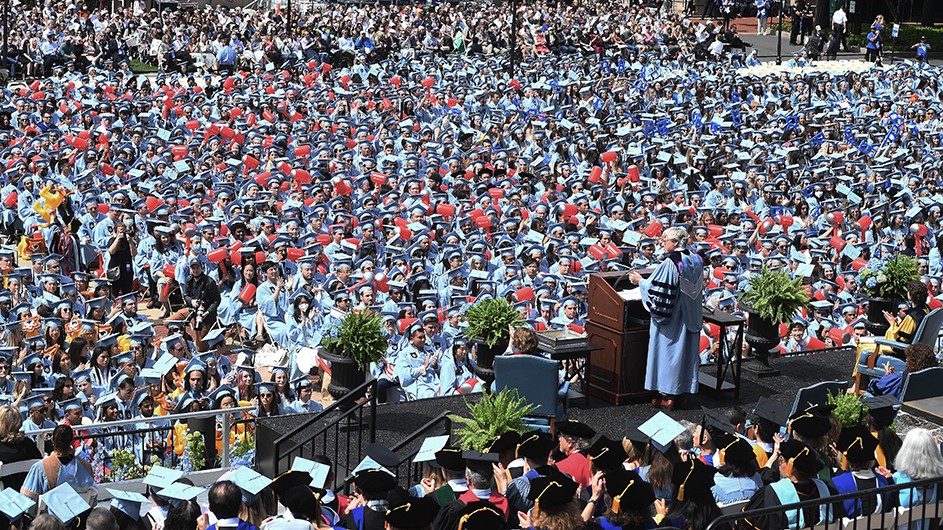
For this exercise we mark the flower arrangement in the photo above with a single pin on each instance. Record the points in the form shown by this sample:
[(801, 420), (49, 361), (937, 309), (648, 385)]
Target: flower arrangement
[(124, 466), (889, 277), (243, 452), (194, 457)]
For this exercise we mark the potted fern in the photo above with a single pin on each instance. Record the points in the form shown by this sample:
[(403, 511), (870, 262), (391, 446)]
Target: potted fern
[(771, 298), (489, 327), (885, 282), (492, 416), (351, 346)]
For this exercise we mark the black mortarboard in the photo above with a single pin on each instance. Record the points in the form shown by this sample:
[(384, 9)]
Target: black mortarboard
[(575, 429), (415, 514), (288, 480), (739, 452), (374, 481), (882, 409), (768, 410), (799, 456), (810, 423), (480, 462), (450, 459), (692, 479), (628, 490), (301, 501), (607, 454), (856, 444), (633, 434), (555, 489), (718, 426), (506, 441), (382, 455), (481, 515), (536, 446)]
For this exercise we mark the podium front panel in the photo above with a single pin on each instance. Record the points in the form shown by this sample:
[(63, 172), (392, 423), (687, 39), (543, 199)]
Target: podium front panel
[(617, 371)]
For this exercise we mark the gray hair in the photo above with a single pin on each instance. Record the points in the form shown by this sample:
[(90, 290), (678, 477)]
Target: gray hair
[(476, 480), (919, 456), (101, 519), (685, 440), (578, 444), (677, 234)]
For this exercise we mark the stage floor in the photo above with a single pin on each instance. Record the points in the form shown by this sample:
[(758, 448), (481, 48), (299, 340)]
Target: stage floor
[(396, 421)]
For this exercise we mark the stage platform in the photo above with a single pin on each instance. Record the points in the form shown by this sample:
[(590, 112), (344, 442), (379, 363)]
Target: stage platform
[(395, 422)]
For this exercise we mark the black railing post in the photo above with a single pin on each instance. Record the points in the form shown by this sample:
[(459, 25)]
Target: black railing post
[(373, 412)]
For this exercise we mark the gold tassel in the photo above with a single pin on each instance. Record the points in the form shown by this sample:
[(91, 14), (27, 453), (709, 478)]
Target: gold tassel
[(722, 454), (518, 448), (879, 453), (466, 517), (681, 488), (537, 499), (617, 500), (844, 455)]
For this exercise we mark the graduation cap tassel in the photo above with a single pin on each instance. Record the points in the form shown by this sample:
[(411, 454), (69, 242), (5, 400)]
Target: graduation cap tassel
[(681, 487), (617, 500), (537, 500)]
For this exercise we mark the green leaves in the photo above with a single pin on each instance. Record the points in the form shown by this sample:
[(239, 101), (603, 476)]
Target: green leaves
[(890, 278), (774, 295), (196, 449), (491, 320), (359, 336), (848, 409), (125, 466), (492, 416)]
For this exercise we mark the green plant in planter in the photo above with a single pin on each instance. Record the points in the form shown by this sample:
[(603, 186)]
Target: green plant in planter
[(125, 466), (774, 296), (358, 336), (491, 320), (492, 416), (848, 409), (889, 278)]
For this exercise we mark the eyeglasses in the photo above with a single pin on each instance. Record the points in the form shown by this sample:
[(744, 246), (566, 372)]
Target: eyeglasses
[(267, 395)]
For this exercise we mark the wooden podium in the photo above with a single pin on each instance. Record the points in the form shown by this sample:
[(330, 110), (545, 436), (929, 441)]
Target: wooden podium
[(621, 328)]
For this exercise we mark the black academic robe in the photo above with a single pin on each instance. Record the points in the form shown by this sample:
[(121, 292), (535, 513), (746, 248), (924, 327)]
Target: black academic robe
[(767, 498), (372, 520)]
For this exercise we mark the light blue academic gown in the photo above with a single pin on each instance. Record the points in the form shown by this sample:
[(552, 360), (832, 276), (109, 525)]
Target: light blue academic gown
[(273, 311), (674, 301), (74, 473), (416, 385), (231, 310)]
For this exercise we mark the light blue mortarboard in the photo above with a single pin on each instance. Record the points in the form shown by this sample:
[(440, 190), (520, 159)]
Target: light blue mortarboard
[(179, 492), (250, 482), (65, 503), (128, 502), (14, 504), (160, 477)]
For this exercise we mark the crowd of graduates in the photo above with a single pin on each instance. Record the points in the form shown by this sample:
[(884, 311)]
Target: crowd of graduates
[(660, 474), (384, 158)]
